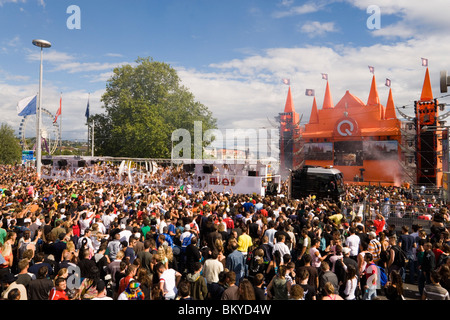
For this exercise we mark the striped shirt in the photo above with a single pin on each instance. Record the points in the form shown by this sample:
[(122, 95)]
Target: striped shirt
[(435, 292), (375, 249)]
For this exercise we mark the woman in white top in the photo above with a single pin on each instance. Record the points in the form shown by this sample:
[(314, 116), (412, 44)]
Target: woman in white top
[(351, 283), (363, 249)]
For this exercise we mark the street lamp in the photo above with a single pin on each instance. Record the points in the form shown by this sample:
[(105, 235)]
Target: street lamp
[(42, 44)]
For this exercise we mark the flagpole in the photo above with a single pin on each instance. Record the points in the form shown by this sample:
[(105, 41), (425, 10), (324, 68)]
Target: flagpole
[(41, 44), (88, 127), (92, 138), (60, 125)]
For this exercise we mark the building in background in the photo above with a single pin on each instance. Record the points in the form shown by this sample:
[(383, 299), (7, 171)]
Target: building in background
[(366, 141)]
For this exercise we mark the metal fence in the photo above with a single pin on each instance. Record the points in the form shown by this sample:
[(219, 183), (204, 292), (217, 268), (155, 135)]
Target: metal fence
[(406, 215)]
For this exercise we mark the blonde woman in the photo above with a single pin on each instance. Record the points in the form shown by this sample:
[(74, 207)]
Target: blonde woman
[(221, 252), (169, 255), (329, 292), (70, 248), (162, 257), (62, 273)]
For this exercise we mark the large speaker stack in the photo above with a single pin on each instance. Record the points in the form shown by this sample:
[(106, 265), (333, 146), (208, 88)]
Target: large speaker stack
[(426, 141)]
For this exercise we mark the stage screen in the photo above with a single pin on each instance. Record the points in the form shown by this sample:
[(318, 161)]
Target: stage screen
[(380, 150), (319, 151), (348, 153)]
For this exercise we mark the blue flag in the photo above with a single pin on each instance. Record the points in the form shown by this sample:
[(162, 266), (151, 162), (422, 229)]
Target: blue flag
[(87, 111), (27, 106)]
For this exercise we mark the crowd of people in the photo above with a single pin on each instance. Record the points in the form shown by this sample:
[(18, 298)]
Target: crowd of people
[(100, 240)]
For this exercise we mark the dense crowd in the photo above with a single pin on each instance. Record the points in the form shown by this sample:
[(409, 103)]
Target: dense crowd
[(65, 239)]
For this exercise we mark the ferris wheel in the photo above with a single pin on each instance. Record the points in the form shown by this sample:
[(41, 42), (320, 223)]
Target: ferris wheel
[(50, 134)]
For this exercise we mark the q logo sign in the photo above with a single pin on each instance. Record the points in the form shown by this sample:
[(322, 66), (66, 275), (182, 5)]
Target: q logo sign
[(345, 128)]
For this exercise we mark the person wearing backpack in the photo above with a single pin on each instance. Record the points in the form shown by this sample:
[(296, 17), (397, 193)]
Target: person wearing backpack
[(371, 275), (397, 258), (185, 239)]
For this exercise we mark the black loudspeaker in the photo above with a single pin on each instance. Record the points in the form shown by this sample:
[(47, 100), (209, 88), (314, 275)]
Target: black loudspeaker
[(296, 192), (252, 173), (208, 169), (189, 167), (271, 189), (62, 163), (81, 163), (47, 162)]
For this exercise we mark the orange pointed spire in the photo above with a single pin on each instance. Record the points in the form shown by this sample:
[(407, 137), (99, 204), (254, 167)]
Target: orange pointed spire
[(374, 99), (289, 107), (427, 93), (390, 108), (314, 118), (327, 100)]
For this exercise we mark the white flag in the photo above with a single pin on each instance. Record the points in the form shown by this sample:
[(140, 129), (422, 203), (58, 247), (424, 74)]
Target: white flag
[(27, 106)]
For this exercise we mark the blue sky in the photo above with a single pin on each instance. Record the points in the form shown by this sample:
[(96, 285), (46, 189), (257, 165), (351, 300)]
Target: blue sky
[(231, 54)]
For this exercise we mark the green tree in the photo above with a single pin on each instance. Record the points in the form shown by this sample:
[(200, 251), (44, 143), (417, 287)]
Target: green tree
[(143, 105), (10, 149)]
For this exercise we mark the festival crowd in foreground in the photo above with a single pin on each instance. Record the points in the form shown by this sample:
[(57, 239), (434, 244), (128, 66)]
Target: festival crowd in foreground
[(90, 240)]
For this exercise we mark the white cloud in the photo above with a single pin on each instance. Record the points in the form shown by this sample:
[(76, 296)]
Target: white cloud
[(317, 28), (62, 61), (12, 77), (78, 67), (14, 42), (298, 10), (414, 17), (51, 56), (286, 3), (114, 55), (2, 2)]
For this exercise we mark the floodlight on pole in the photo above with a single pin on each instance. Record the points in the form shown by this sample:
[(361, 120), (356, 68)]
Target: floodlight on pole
[(42, 44)]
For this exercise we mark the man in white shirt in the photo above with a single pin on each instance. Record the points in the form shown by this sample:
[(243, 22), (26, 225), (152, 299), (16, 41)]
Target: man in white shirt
[(87, 235), (85, 221), (281, 246), (125, 234), (107, 218), (168, 281), (352, 242), (212, 268)]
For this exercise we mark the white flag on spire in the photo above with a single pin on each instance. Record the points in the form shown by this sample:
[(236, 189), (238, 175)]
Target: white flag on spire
[(324, 76), (424, 62), (286, 81), (388, 83)]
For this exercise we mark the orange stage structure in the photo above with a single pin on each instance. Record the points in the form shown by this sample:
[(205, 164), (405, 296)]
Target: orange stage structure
[(365, 141)]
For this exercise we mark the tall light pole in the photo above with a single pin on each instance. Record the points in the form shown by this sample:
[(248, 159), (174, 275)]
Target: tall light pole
[(92, 137), (42, 44)]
